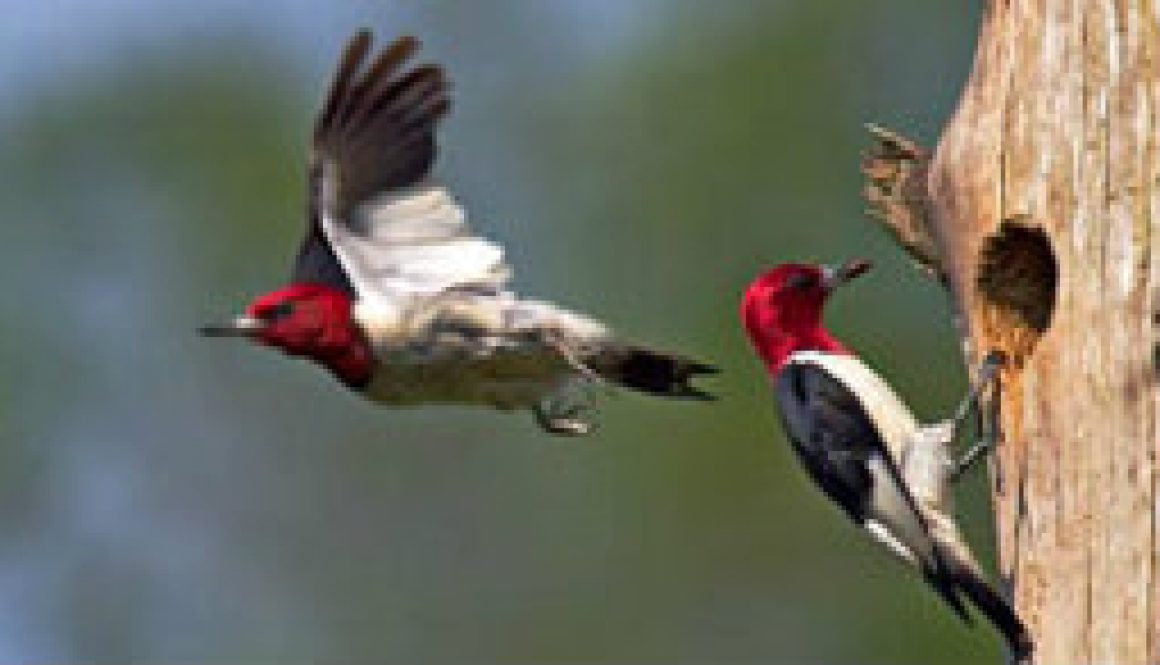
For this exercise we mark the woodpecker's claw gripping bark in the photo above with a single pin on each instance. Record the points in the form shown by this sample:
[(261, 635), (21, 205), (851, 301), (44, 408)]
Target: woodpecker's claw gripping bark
[(988, 370), (987, 374), (977, 452)]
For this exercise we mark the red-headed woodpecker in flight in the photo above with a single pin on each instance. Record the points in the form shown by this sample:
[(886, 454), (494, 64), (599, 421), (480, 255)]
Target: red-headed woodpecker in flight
[(861, 444), (397, 297)]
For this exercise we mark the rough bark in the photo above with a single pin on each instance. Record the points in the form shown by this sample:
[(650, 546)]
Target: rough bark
[(1040, 211)]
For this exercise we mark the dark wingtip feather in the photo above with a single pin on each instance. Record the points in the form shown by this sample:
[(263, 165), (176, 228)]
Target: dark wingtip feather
[(377, 123), (376, 82), (353, 55)]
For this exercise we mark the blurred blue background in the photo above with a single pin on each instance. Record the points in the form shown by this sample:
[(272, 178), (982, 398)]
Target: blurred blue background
[(169, 498)]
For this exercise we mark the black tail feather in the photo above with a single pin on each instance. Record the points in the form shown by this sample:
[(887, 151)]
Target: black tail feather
[(998, 611), (652, 372), (953, 578), (945, 586)]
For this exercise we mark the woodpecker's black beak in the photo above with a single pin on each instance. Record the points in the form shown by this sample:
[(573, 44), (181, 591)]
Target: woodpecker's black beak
[(242, 326), (836, 276)]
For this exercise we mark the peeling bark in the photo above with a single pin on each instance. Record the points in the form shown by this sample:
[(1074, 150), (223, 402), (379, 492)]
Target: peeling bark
[(896, 171), (1042, 206)]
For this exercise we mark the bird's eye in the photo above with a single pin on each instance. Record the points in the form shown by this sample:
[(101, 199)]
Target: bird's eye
[(800, 281), (279, 311)]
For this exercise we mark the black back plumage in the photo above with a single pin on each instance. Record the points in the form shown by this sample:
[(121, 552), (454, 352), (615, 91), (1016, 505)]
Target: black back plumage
[(832, 434), (836, 439), (317, 263)]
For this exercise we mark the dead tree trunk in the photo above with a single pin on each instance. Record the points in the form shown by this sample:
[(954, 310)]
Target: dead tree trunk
[(1040, 212)]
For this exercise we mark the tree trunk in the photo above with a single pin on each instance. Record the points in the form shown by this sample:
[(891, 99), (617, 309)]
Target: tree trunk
[(1040, 212)]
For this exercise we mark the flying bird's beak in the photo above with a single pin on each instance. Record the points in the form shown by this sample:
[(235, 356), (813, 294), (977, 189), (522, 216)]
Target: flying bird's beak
[(242, 326), (836, 276)]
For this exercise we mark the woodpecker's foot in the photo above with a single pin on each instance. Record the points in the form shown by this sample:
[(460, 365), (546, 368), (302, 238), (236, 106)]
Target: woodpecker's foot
[(977, 452), (565, 427), (561, 421), (986, 375)]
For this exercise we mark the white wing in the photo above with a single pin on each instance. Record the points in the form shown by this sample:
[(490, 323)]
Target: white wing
[(414, 242)]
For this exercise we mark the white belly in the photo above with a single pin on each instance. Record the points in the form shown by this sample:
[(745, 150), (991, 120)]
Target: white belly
[(468, 348), (503, 381)]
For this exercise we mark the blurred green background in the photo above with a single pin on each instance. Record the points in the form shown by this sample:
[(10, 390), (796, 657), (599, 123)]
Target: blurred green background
[(168, 498)]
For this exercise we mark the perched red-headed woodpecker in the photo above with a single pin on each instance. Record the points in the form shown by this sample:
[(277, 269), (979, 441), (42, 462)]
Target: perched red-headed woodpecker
[(397, 297), (860, 443)]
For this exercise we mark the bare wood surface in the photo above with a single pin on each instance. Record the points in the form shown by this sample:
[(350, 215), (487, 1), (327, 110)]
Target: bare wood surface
[(1042, 205)]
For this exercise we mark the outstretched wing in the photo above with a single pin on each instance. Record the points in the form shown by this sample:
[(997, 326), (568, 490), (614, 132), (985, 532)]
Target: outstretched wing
[(380, 227)]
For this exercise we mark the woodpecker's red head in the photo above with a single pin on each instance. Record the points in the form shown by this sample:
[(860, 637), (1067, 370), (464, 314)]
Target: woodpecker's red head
[(782, 309), (310, 320)]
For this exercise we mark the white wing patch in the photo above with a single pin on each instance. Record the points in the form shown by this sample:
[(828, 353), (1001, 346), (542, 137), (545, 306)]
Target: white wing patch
[(413, 243), (882, 534)]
